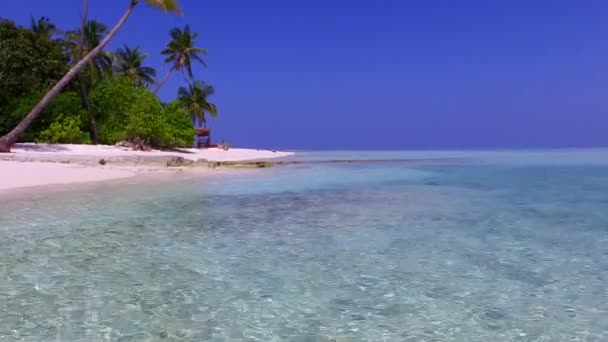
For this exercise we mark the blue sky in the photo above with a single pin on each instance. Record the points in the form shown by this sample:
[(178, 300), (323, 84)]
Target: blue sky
[(389, 74)]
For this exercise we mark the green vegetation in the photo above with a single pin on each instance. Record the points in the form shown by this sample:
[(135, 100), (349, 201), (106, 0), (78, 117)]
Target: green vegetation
[(133, 113), (130, 62), (67, 88), (65, 130), (180, 52), (29, 61), (194, 99)]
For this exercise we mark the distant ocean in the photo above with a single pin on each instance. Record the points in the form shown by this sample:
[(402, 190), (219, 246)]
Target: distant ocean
[(417, 246)]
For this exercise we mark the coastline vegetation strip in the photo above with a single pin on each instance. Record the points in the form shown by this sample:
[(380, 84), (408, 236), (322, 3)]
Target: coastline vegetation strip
[(98, 95)]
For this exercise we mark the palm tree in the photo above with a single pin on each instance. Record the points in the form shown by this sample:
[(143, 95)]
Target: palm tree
[(194, 100), (9, 139), (43, 26), (78, 43), (82, 42), (180, 51), (129, 62)]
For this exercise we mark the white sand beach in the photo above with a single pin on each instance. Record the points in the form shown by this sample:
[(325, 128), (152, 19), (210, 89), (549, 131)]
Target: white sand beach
[(32, 165), (27, 174), (100, 151)]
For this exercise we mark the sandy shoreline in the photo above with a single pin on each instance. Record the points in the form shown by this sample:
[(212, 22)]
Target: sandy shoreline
[(39, 165), (28, 174)]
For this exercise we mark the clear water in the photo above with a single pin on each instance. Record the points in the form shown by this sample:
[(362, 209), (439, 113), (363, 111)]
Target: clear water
[(505, 246)]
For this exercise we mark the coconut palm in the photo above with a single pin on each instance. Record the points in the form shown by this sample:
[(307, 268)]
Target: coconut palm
[(43, 26), (80, 42), (180, 52), (194, 100), (129, 62), (9, 139)]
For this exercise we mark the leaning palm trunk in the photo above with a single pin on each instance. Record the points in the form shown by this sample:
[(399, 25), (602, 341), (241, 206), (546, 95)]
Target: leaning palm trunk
[(11, 138), (160, 84)]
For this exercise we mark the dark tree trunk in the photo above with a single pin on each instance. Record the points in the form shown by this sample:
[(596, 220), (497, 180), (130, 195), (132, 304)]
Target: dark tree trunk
[(83, 91), (87, 103), (4, 146), (83, 25), (11, 138), (93, 127)]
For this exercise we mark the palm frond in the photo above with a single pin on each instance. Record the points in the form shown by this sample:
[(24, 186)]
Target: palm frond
[(130, 62), (212, 109), (194, 100), (198, 50), (189, 67), (166, 5), (198, 59)]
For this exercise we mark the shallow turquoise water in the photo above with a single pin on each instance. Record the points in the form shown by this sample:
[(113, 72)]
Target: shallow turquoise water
[(487, 246)]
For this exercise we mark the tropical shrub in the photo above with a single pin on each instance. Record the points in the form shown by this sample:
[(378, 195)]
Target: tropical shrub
[(28, 61), (65, 131), (127, 112), (65, 105), (29, 64), (179, 128)]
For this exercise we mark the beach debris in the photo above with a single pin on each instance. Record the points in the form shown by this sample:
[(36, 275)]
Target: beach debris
[(241, 164), (126, 144), (179, 162), (137, 145), (102, 161), (263, 164)]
